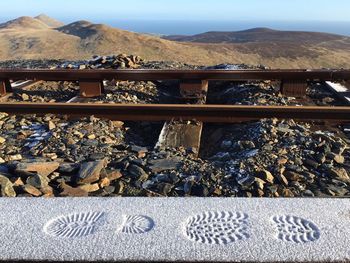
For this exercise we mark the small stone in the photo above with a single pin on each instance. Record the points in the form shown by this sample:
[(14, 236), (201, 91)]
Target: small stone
[(52, 156), (340, 191), (321, 158), (260, 183), (41, 168), (138, 173), (340, 174), (91, 136), (311, 163), (266, 176), (282, 160), (51, 125), (16, 157), (38, 181), (89, 172), (221, 156), (79, 134), (117, 124), (31, 190), (2, 140), (114, 175), (96, 156), (109, 189), (6, 187), (246, 145), (160, 165), (308, 193), (105, 182), (68, 167), (287, 193), (164, 188), (119, 187), (282, 179), (292, 176), (25, 96), (71, 191), (141, 151), (47, 191), (89, 187), (18, 182), (199, 190), (246, 181), (339, 159)]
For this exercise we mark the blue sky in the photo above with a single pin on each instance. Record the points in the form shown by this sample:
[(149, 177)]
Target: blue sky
[(258, 10)]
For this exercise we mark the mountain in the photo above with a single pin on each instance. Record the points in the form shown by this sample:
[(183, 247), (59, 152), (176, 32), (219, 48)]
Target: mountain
[(49, 21), (259, 35), (43, 38), (23, 23)]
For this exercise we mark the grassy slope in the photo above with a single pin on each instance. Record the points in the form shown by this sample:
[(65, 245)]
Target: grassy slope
[(82, 39)]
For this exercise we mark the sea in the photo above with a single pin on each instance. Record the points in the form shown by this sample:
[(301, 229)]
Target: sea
[(169, 27)]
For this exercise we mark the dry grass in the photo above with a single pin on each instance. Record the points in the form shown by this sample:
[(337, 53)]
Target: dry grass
[(30, 40)]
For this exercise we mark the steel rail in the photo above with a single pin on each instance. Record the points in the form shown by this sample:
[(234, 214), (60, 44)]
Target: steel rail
[(163, 112), (146, 74)]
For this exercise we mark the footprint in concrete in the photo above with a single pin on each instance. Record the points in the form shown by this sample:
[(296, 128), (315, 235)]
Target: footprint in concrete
[(137, 224), (74, 225), (295, 229), (217, 227)]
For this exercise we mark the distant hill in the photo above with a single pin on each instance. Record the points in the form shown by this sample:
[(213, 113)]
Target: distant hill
[(23, 23), (43, 37), (51, 22), (258, 35)]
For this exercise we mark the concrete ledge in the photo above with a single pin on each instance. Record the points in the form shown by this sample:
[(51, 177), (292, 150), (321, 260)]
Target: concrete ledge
[(175, 229), (341, 90)]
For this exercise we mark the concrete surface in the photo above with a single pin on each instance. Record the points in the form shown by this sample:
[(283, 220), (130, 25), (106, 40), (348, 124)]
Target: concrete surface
[(175, 229)]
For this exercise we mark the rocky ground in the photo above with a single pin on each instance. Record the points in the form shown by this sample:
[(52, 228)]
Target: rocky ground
[(116, 92), (268, 93), (57, 156)]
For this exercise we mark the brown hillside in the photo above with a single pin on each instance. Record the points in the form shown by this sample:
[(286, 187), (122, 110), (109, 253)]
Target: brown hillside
[(28, 38), (23, 23)]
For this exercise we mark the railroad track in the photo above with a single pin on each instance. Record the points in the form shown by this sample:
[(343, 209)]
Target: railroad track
[(193, 84)]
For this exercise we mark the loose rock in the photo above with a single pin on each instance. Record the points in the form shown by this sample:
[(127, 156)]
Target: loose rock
[(90, 172)]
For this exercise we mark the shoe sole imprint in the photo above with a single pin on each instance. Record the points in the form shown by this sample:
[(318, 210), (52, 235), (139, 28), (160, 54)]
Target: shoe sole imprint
[(217, 227)]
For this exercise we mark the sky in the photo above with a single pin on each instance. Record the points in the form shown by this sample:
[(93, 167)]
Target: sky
[(191, 10)]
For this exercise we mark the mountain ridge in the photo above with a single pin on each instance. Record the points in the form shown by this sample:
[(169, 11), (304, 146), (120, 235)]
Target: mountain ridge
[(51, 22), (31, 38)]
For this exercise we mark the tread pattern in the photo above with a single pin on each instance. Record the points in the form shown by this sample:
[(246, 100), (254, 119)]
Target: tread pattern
[(217, 227), (74, 225), (137, 224), (295, 229)]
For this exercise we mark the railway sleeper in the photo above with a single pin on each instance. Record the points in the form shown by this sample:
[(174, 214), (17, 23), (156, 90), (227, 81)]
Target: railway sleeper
[(5, 86), (294, 88), (91, 88)]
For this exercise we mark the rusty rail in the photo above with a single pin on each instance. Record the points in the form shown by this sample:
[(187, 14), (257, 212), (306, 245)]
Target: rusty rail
[(293, 82), (162, 112), (151, 74)]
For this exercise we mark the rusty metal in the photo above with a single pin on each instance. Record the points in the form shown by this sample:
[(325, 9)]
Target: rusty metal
[(91, 81), (146, 74), (161, 112), (5, 86), (294, 88), (89, 89)]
